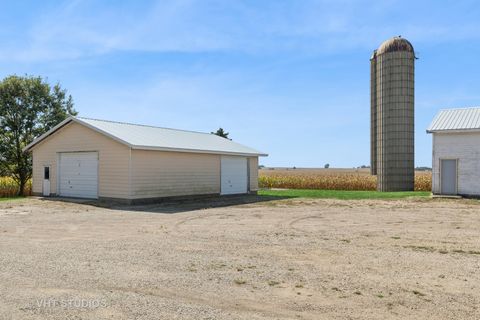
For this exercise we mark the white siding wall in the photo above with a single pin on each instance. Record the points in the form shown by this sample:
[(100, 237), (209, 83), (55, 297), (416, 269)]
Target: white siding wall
[(253, 166), (113, 159), (166, 174), (466, 148)]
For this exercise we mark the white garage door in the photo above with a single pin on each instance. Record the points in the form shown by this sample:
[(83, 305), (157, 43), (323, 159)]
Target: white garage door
[(78, 175), (234, 178)]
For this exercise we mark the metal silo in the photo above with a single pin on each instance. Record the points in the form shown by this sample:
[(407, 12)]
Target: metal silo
[(392, 115)]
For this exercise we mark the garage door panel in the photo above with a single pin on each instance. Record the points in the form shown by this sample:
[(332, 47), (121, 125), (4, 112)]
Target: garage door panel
[(79, 174), (234, 175)]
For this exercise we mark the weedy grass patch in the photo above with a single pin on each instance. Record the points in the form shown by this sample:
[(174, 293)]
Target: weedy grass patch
[(9, 188)]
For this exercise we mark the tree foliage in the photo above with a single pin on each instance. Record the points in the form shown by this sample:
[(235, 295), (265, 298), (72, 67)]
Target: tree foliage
[(29, 107), (221, 133)]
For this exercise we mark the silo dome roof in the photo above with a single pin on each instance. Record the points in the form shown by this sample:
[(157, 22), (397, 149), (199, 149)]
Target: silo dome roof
[(395, 44)]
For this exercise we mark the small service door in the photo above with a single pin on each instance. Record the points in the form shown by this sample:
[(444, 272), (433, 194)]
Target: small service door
[(448, 176), (46, 181)]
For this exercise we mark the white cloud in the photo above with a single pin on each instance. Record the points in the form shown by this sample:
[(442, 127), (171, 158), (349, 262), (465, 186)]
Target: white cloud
[(88, 28)]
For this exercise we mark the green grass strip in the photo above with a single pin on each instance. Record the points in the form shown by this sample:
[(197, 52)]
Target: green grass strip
[(340, 194), (11, 198)]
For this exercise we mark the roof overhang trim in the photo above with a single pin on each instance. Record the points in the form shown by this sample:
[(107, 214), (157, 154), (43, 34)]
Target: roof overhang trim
[(47, 134), (455, 130), (135, 147)]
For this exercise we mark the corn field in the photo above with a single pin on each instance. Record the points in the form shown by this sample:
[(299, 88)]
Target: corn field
[(330, 179), (8, 187)]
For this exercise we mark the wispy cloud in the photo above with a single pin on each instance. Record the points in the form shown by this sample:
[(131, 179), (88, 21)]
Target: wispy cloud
[(85, 28)]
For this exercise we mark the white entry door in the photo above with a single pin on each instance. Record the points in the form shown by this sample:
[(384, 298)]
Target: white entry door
[(78, 175), (448, 176), (46, 181), (234, 175)]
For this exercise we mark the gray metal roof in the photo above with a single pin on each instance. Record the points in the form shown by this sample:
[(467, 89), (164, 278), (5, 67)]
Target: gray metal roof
[(463, 119), (157, 138)]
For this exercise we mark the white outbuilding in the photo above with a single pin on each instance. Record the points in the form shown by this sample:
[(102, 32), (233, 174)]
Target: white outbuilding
[(98, 159), (456, 152)]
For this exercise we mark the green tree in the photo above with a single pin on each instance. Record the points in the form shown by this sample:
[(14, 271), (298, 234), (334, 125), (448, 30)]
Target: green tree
[(221, 133), (29, 107)]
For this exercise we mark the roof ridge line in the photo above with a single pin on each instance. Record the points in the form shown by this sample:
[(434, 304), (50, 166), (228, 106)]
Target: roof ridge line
[(462, 108), (141, 125)]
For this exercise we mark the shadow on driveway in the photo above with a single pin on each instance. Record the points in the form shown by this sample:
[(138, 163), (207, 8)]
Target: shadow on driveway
[(174, 206)]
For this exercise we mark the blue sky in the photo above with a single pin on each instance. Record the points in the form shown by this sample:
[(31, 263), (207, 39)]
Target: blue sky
[(290, 78)]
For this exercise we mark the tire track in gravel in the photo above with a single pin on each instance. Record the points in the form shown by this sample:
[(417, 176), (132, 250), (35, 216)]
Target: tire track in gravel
[(177, 226), (290, 223), (214, 301)]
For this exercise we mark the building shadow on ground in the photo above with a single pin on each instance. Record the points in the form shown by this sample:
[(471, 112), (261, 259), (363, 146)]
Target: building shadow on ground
[(176, 206)]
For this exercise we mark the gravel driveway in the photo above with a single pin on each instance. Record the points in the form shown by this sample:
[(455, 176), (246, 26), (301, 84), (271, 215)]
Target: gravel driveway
[(284, 259)]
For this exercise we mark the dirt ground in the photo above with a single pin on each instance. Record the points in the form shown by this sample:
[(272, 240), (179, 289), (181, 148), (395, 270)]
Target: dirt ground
[(286, 259)]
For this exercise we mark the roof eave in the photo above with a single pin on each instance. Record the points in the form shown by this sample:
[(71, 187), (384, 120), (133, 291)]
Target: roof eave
[(453, 130), (65, 122), (47, 134), (246, 154)]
